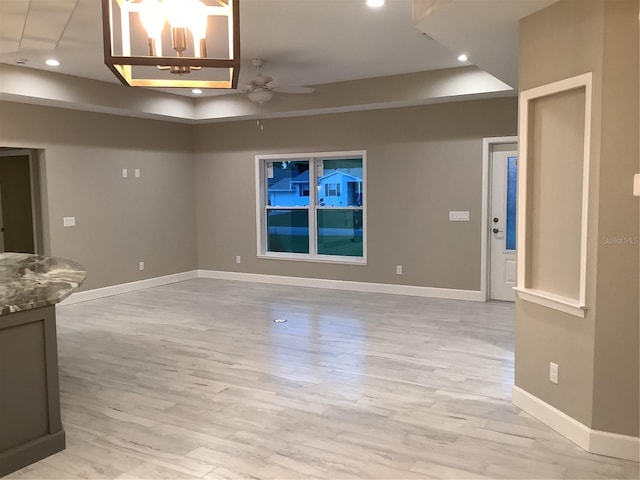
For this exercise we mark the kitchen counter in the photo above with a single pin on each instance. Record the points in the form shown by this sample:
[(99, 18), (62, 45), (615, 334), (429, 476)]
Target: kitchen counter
[(32, 281), (30, 422)]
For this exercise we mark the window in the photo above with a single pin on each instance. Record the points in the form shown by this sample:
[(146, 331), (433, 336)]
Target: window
[(332, 189), (512, 191), (312, 206)]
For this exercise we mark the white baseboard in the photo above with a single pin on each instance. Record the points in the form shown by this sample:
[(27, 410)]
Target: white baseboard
[(469, 295), (127, 287), (594, 441), (411, 290)]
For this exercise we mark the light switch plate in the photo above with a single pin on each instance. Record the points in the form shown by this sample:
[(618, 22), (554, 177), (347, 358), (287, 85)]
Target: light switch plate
[(69, 221), (125, 173), (636, 184), (460, 216), (137, 172)]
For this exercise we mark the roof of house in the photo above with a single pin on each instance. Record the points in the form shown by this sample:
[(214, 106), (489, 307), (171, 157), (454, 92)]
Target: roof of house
[(302, 178), (336, 172), (283, 185), (287, 184)]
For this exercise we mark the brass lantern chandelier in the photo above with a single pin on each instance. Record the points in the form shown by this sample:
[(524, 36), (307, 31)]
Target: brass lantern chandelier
[(172, 43)]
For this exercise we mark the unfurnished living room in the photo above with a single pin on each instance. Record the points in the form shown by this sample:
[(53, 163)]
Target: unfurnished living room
[(305, 239)]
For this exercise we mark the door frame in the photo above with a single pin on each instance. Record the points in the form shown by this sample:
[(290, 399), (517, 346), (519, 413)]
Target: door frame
[(487, 147), (34, 183)]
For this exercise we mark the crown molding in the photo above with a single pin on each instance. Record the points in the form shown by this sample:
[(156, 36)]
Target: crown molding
[(26, 85)]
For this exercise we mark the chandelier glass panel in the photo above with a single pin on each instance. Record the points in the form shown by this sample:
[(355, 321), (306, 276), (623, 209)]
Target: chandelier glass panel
[(172, 43)]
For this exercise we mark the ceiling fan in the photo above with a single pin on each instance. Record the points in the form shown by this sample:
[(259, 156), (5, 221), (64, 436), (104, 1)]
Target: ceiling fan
[(262, 87)]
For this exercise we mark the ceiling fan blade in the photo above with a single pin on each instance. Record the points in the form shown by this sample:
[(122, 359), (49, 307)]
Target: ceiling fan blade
[(292, 89)]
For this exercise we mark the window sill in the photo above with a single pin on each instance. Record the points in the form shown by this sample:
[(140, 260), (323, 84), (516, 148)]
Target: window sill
[(556, 302), (306, 258)]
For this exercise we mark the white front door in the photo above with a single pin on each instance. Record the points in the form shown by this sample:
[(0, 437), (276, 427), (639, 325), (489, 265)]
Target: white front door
[(502, 223)]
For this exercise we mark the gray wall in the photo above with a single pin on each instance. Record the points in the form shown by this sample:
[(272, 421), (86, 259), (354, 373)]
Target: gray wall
[(421, 163), (616, 395), (598, 355), (119, 221)]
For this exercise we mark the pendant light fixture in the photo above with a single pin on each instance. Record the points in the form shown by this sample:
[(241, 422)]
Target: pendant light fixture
[(172, 43)]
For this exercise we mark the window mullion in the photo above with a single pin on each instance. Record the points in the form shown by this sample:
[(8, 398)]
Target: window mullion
[(313, 202)]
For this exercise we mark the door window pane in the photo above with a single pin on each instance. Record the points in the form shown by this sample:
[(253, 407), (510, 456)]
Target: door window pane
[(512, 191), (340, 232), (288, 231), (288, 184), (340, 183)]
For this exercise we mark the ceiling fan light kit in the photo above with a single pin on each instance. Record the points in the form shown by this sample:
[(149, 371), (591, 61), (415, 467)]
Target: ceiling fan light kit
[(173, 43), (261, 88), (260, 95)]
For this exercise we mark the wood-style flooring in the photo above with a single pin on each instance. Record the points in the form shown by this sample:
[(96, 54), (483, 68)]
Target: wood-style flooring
[(195, 380)]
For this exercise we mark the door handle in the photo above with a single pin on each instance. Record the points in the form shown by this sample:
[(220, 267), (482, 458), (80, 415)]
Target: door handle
[(495, 230)]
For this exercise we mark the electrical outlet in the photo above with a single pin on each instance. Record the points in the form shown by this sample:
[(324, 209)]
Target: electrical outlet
[(553, 372), (238, 259), (141, 265), (398, 269)]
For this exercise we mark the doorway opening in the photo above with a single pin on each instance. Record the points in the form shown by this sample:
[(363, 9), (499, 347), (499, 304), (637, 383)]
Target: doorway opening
[(500, 166), (20, 201)]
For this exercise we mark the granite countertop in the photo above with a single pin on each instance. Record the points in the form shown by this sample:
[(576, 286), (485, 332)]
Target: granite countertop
[(32, 281)]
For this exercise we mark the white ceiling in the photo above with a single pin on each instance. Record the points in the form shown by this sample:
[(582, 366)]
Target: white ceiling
[(303, 42)]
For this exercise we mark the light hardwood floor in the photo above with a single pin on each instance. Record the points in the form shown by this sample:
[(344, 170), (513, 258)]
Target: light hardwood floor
[(195, 380)]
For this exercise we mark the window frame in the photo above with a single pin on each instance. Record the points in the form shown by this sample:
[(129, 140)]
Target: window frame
[(261, 162)]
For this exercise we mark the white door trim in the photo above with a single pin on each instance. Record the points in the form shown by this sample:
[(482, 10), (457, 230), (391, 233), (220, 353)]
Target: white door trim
[(487, 145)]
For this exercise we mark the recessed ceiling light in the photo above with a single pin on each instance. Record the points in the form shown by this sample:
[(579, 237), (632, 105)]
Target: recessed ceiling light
[(52, 62), (375, 3), (463, 57), (196, 91)]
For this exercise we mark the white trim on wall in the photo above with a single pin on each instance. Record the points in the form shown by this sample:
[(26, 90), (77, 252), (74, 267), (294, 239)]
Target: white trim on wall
[(410, 290), (573, 306), (487, 146), (111, 290), (594, 441)]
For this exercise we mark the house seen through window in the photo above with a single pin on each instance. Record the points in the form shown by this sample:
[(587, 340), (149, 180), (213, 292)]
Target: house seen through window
[(312, 206)]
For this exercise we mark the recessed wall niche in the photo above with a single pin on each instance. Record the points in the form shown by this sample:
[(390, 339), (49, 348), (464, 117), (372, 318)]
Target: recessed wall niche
[(555, 127)]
